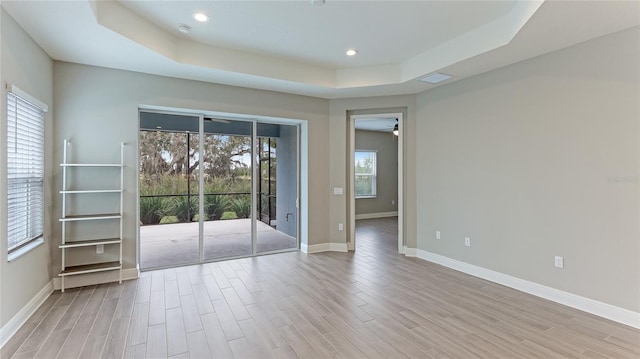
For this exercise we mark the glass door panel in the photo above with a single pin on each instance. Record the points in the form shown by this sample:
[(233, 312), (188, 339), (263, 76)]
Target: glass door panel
[(227, 189), (249, 187), (168, 180), (277, 193)]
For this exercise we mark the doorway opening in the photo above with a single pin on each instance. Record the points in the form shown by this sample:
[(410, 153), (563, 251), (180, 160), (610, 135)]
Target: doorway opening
[(375, 180), (213, 188)]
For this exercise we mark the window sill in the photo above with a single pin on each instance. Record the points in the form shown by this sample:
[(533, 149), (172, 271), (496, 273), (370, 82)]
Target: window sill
[(24, 250), (364, 197)]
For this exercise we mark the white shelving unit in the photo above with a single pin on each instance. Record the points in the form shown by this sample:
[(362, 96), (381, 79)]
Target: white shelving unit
[(73, 243)]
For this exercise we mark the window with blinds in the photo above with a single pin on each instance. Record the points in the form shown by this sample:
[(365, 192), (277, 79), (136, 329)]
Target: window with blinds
[(25, 171)]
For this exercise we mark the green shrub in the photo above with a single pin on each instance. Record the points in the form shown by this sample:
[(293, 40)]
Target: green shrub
[(169, 220), (240, 185), (216, 185), (163, 184), (229, 215), (215, 206), (177, 184), (152, 209), (241, 205), (184, 208)]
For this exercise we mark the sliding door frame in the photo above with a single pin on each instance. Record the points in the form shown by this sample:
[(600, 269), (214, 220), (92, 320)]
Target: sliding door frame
[(255, 177), (201, 188), (301, 207)]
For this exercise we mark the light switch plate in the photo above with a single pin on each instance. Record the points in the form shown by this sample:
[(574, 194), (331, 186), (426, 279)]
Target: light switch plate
[(559, 262), (338, 190)]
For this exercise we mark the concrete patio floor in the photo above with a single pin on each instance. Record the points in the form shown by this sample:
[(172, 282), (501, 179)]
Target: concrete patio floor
[(173, 244)]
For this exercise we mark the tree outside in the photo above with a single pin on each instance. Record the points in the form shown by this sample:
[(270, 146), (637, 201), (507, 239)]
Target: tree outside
[(169, 176)]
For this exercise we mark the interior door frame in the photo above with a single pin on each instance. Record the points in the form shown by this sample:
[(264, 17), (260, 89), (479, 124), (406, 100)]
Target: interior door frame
[(302, 178), (351, 239)]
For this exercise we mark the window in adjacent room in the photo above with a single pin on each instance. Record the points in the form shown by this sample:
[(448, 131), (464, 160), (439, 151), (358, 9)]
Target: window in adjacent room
[(25, 172), (365, 174)]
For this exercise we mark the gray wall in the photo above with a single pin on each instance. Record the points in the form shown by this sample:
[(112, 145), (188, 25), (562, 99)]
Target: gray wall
[(97, 108), (287, 180), (536, 160), (27, 66), (386, 146)]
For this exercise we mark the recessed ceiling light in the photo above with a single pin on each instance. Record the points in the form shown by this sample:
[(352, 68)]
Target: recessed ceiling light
[(184, 28), (435, 78), (318, 2), (352, 52), (201, 17)]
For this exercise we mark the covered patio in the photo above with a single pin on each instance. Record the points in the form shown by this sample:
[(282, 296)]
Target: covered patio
[(165, 245)]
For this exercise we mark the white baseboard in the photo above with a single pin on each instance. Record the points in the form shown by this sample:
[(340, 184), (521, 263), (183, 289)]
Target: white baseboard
[(323, 247), (594, 307), (12, 326), (376, 215), (95, 278), (409, 252)]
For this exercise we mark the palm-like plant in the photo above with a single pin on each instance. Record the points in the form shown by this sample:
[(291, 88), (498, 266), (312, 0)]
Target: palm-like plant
[(184, 208), (215, 205), (241, 205), (152, 209)]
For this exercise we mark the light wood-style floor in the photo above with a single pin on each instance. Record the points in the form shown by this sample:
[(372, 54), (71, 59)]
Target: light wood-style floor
[(372, 303)]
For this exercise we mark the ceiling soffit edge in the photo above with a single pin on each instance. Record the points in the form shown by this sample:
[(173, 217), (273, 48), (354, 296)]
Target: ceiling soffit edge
[(117, 18)]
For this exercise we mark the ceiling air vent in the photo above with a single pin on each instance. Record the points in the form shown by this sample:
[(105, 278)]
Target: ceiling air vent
[(435, 78)]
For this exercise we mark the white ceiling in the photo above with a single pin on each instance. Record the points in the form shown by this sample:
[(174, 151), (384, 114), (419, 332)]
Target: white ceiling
[(296, 47), (320, 35), (381, 124)]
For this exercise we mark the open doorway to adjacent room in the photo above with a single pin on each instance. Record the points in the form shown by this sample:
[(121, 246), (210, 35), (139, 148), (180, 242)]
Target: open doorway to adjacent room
[(375, 181)]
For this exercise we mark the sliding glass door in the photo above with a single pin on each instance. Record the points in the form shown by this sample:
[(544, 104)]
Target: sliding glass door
[(245, 172), (227, 189), (277, 161), (168, 187)]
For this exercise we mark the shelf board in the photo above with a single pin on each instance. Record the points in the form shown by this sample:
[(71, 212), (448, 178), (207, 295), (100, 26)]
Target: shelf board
[(90, 242), (91, 165), (90, 268), (89, 217), (91, 191)]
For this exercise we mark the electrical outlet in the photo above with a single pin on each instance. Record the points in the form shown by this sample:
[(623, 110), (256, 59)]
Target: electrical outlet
[(559, 262), (393, 202), (437, 234), (340, 227), (100, 248), (467, 242)]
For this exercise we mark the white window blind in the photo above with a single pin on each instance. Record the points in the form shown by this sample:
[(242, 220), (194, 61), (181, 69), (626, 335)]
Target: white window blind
[(25, 171)]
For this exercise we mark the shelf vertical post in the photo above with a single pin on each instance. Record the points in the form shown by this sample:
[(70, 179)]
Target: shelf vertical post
[(121, 206), (64, 208)]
